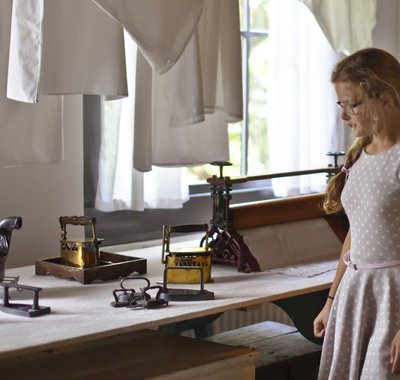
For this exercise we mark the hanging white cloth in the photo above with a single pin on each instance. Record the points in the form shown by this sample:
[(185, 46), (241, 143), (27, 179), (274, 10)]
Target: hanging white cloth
[(303, 121), (346, 24), (153, 26), (120, 186), (29, 133), (91, 60), (191, 104), (64, 47), (25, 50), (178, 118)]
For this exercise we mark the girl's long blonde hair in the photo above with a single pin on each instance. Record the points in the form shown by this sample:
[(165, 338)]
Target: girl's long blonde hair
[(375, 71)]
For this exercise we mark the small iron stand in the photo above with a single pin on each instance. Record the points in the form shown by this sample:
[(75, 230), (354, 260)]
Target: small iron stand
[(20, 309), (185, 294)]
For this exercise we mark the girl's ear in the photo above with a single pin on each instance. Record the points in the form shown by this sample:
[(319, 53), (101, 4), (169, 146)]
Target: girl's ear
[(387, 99)]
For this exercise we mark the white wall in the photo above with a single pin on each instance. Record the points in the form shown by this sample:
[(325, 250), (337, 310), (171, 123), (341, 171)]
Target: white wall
[(40, 194), (386, 34)]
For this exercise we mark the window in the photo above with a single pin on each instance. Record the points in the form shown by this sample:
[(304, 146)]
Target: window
[(248, 139), (248, 148)]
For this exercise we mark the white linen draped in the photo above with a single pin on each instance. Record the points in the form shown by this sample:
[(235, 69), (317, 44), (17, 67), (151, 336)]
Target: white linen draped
[(175, 119), (303, 121), (29, 133), (120, 186), (25, 50), (346, 24), (193, 102), (159, 40), (64, 47)]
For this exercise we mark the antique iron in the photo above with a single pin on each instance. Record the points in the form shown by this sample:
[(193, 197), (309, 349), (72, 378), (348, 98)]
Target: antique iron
[(192, 257), (82, 260), (7, 225), (81, 253), (129, 297), (21, 309), (174, 294)]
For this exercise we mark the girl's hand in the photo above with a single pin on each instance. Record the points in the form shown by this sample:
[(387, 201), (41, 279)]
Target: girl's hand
[(321, 320), (395, 353)]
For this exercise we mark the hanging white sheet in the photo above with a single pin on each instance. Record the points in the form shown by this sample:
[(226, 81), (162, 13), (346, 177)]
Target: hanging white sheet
[(153, 26), (29, 133), (346, 24), (64, 47), (182, 116)]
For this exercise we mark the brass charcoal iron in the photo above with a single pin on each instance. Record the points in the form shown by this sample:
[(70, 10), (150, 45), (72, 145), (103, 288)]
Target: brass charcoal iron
[(81, 259), (187, 258), (81, 253)]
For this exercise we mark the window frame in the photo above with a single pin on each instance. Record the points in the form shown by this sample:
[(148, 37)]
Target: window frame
[(247, 32)]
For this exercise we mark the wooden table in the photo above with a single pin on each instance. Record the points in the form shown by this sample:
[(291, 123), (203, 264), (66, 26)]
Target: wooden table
[(82, 313)]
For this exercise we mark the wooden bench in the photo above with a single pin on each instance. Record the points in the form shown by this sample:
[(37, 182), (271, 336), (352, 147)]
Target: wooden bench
[(285, 353), (146, 354)]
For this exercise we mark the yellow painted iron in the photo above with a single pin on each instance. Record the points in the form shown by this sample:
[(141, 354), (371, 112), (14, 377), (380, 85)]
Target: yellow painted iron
[(196, 257), (80, 253)]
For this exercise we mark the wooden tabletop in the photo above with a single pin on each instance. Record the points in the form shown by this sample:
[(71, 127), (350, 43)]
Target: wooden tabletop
[(81, 313)]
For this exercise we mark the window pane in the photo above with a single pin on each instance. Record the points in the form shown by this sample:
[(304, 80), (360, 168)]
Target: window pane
[(259, 14), (198, 174), (235, 149), (242, 4), (258, 144)]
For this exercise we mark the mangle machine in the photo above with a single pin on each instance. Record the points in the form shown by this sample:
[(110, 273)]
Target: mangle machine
[(227, 244)]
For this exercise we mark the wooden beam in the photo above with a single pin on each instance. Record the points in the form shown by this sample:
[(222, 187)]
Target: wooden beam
[(276, 211)]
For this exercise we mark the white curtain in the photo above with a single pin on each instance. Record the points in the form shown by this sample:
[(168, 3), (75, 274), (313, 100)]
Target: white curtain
[(120, 186), (346, 24), (303, 121)]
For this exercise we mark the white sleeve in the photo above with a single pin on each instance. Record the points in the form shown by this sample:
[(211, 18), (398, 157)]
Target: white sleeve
[(25, 50)]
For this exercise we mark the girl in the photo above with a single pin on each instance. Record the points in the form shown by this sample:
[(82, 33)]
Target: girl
[(360, 321)]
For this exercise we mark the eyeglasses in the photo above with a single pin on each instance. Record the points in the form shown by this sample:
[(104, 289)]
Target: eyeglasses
[(349, 108)]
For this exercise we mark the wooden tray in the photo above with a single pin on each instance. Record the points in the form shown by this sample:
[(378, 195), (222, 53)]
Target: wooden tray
[(112, 266)]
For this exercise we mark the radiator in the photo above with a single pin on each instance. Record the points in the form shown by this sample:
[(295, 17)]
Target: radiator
[(237, 318), (234, 319)]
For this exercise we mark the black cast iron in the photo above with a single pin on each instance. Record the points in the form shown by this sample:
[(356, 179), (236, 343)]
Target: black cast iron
[(7, 225)]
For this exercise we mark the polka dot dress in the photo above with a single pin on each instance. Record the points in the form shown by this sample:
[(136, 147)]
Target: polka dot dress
[(365, 314)]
